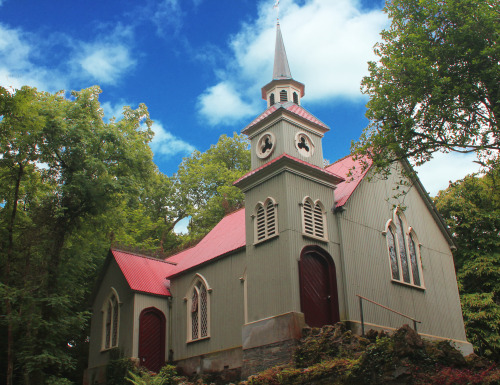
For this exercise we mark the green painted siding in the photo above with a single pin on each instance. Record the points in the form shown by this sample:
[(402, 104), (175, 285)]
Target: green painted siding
[(226, 307), (112, 278), (367, 270), (284, 132)]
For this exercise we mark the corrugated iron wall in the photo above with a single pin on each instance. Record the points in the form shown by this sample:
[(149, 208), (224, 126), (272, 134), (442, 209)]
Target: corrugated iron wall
[(113, 278), (367, 263), (226, 307)]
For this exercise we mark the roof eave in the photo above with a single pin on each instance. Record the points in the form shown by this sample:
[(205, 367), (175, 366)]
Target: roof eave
[(283, 163), (430, 204), (280, 113)]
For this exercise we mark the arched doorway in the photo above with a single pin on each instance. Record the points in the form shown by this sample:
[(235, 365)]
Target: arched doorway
[(318, 287), (152, 339)]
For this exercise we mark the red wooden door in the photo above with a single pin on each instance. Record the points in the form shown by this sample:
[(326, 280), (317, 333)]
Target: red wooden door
[(152, 339), (318, 288)]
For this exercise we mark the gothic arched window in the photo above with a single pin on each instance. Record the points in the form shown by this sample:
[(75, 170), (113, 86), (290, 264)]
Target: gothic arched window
[(198, 309), (314, 219), (271, 100), (265, 220), (404, 251), (111, 320)]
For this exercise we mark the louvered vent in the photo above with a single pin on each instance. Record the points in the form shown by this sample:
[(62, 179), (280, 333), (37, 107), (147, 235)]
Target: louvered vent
[(283, 96), (319, 229), (261, 223), (271, 219), (313, 219), (308, 218)]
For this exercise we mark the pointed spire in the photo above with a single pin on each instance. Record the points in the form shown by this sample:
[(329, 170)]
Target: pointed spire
[(281, 68)]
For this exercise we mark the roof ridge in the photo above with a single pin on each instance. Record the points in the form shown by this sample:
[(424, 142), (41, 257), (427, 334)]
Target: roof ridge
[(142, 256)]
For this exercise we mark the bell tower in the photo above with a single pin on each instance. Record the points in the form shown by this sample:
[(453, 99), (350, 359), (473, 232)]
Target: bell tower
[(285, 127), (289, 198)]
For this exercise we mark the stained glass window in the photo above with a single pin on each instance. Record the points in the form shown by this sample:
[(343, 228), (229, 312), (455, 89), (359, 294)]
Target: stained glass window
[(199, 311)]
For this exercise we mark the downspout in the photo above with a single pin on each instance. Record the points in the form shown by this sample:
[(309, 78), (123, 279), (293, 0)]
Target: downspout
[(337, 211), (170, 352)]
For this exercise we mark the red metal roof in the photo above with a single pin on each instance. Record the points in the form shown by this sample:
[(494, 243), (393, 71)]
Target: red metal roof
[(289, 106), (352, 171), (150, 275), (144, 274), (284, 155), (227, 236)]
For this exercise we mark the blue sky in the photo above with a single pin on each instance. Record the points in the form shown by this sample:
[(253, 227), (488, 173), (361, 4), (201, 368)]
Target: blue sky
[(199, 64)]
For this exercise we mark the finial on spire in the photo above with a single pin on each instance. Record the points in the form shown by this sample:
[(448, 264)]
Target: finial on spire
[(277, 7)]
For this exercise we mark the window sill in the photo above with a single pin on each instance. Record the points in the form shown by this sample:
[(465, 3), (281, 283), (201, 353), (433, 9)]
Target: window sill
[(421, 288), (266, 239), (325, 240), (104, 350), (199, 339)]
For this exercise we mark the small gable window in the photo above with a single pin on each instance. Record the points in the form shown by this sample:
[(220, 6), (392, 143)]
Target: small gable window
[(314, 219), (198, 309), (111, 320), (283, 96), (271, 100), (404, 251), (295, 98), (265, 220)]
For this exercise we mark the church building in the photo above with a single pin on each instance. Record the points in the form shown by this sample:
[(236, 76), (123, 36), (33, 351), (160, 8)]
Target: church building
[(313, 246)]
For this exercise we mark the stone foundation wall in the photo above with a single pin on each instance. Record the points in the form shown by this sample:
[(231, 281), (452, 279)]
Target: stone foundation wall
[(270, 342)]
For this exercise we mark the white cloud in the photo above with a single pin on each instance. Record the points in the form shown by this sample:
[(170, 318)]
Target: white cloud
[(328, 44), (25, 60), (436, 174), (106, 63), (108, 58), (221, 104), (16, 66), (113, 110), (167, 145)]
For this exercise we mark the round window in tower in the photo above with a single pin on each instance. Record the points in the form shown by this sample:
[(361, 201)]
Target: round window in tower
[(265, 145), (304, 144)]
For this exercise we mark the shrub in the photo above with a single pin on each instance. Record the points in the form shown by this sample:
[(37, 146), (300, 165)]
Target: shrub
[(166, 376)]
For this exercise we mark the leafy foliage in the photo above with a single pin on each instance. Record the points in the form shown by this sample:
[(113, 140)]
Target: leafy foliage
[(63, 171), (403, 358), (436, 84), (471, 208), (204, 183), (166, 376)]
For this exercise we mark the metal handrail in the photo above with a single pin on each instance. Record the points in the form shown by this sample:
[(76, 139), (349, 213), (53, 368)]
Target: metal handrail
[(361, 298)]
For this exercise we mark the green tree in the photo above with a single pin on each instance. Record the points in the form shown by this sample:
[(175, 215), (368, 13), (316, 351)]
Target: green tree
[(471, 207), (63, 170), (436, 85), (204, 183)]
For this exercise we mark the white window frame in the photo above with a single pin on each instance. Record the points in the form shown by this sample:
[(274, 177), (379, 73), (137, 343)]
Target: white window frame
[(315, 227), (199, 282), (267, 223), (408, 234), (112, 340)]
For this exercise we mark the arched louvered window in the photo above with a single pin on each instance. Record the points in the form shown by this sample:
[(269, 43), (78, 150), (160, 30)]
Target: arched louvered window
[(266, 220), (313, 219), (198, 309), (283, 96), (404, 251), (295, 98), (111, 320), (271, 100)]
